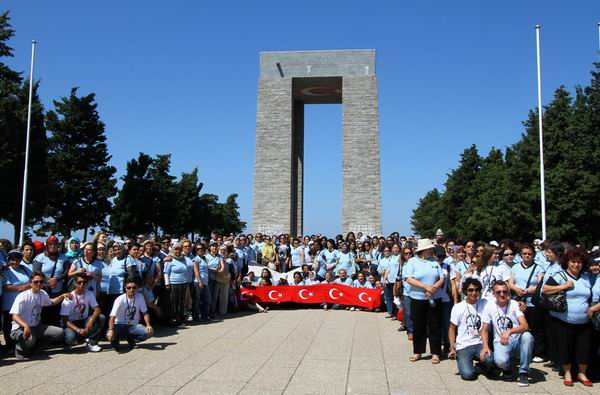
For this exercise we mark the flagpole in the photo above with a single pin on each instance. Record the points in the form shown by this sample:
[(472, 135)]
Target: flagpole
[(539, 92), (598, 36), (26, 171)]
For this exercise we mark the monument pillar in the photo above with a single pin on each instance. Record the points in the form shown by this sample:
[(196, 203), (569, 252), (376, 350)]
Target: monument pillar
[(289, 81), (361, 189)]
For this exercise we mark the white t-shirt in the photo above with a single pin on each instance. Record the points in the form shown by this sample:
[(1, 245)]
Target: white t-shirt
[(502, 318), (468, 319), (79, 307), (488, 278), (29, 306), (127, 311)]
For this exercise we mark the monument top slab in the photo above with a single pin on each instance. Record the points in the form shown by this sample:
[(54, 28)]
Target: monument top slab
[(296, 64)]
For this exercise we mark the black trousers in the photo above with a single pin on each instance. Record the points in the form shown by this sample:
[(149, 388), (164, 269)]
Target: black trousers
[(535, 319), (6, 328), (573, 342), (551, 338), (426, 324)]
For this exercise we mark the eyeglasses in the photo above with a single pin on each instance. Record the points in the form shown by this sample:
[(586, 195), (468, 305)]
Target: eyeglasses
[(469, 290), (508, 254), (81, 282), (503, 292), (130, 288), (37, 282)]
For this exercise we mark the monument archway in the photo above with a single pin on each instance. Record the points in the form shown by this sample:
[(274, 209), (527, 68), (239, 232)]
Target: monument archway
[(289, 81)]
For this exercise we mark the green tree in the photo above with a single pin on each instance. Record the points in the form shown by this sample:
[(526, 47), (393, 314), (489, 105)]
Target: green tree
[(82, 181), (487, 206), (14, 97), (163, 191), (459, 187), (132, 210), (231, 216), (186, 204), (429, 214)]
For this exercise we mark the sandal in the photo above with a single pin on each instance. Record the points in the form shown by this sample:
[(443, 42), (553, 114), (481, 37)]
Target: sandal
[(435, 359), (415, 358)]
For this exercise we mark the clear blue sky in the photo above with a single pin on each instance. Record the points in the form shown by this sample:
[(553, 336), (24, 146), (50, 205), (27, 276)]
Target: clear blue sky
[(180, 77)]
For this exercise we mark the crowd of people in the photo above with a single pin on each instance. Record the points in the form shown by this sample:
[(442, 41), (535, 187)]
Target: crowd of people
[(490, 306)]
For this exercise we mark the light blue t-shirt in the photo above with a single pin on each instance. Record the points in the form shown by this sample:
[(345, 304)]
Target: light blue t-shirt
[(296, 257), (522, 274), (149, 264), (202, 269), (213, 262), (189, 278), (596, 290), (326, 257), (117, 272), (376, 257), (19, 276), (541, 260), (391, 265), (443, 292), (95, 268), (577, 298), (347, 281), (551, 270), (52, 268), (428, 271), (177, 270), (104, 285), (358, 284), (345, 262)]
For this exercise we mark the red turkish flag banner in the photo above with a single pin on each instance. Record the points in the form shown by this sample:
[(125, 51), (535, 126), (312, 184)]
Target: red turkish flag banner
[(319, 293)]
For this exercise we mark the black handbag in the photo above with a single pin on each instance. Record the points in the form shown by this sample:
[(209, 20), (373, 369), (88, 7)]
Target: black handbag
[(555, 302), (596, 321)]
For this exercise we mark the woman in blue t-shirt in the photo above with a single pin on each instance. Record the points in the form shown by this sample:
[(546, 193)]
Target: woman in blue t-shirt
[(176, 280), (16, 280), (425, 277), (571, 328)]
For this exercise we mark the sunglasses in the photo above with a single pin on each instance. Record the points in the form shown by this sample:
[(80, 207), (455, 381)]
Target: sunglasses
[(80, 282), (508, 254), (469, 290), (37, 282), (130, 288), (501, 292)]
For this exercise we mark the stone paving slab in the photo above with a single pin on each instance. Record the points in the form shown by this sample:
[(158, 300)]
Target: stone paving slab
[(304, 351)]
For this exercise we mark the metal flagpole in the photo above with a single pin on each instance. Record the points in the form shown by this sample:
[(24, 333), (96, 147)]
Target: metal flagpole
[(25, 173), (598, 36), (539, 83)]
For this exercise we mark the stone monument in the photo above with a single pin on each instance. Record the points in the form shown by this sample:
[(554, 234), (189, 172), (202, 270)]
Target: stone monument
[(289, 81)]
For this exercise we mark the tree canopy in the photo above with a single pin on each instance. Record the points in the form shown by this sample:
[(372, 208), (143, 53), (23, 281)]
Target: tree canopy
[(498, 196)]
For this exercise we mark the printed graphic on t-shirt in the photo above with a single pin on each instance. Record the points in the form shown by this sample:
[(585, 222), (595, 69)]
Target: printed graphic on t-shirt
[(504, 323), (473, 321)]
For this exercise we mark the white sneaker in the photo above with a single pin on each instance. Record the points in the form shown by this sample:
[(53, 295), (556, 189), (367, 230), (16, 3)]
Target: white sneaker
[(94, 348), (538, 359), (352, 309)]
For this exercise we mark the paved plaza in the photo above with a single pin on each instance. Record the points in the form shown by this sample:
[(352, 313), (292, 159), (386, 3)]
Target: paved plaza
[(284, 351)]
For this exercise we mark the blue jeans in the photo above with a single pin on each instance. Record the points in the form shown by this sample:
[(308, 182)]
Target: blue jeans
[(521, 344), (407, 318), (444, 324), (137, 333), (464, 361), (71, 336), (388, 295), (203, 300)]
